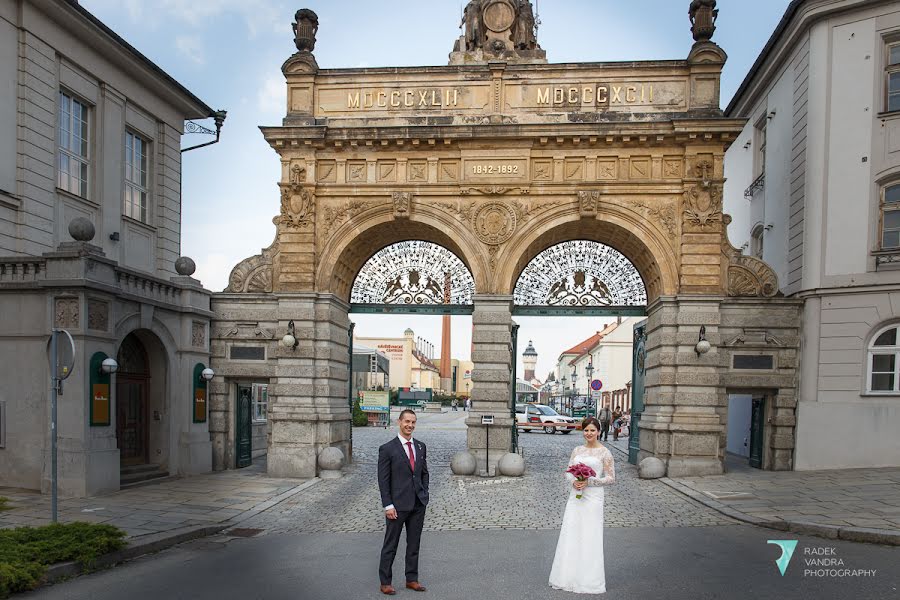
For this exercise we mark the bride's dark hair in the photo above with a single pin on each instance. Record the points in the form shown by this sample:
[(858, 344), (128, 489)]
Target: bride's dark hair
[(590, 421)]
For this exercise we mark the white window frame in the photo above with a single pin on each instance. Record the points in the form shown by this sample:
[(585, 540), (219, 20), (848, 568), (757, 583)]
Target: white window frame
[(259, 397), (139, 209), (882, 209), (757, 241), (890, 69), (65, 142), (760, 140), (874, 350)]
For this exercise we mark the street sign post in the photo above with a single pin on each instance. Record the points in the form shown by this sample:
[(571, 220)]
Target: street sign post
[(60, 369)]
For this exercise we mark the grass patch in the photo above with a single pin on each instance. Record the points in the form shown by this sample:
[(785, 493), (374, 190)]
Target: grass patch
[(4, 503), (26, 552)]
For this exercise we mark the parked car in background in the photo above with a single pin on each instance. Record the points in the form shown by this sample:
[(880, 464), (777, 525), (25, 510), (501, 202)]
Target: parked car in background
[(540, 416)]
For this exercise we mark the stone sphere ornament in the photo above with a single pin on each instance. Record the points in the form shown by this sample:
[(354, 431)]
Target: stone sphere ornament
[(81, 229), (652, 468), (330, 462), (463, 463), (185, 266), (511, 465)]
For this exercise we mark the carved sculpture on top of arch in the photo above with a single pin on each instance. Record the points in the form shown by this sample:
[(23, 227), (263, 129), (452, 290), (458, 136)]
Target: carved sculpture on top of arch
[(746, 276), (254, 275)]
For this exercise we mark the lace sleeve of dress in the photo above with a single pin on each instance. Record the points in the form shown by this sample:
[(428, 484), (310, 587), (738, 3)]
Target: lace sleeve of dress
[(609, 470), (572, 460)]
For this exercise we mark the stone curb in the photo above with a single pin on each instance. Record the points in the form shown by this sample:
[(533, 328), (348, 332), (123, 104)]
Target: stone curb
[(888, 537), (155, 542)]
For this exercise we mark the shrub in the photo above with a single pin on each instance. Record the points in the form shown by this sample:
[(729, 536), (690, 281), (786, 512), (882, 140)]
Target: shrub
[(26, 552), (360, 419)]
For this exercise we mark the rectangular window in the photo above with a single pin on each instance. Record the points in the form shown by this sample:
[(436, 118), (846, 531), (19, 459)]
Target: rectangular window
[(260, 405), (890, 217), (135, 177), (74, 143), (892, 77), (759, 163), (883, 372)]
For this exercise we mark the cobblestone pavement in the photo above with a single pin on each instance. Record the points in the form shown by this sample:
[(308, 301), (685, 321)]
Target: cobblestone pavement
[(159, 507), (535, 501), (867, 498)]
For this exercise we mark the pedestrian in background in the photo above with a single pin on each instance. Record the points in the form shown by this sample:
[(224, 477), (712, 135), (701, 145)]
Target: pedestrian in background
[(617, 422), (604, 416)]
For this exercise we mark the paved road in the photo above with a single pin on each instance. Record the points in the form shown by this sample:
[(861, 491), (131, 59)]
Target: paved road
[(485, 538), (729, 562)]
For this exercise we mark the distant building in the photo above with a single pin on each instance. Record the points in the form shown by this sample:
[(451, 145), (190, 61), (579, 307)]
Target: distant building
[(410, 365), (609, 354), (460, 376)]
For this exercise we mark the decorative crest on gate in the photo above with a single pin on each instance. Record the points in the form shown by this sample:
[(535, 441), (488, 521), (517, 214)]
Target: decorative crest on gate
[(579, 274), (413, 273)]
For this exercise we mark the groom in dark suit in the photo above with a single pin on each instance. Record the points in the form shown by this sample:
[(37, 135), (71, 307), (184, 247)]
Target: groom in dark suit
[(403, 482)]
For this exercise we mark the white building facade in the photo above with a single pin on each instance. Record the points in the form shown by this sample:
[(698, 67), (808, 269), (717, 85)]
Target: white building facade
[(813, 184), (91, 129)]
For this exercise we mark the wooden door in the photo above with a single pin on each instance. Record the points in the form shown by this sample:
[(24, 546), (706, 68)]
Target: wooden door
[(131, 421)]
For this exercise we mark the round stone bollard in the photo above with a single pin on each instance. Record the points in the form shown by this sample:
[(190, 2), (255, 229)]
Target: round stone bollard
[(81, 229), (652, 468), (511, 465), (463, 463), (330, 462)]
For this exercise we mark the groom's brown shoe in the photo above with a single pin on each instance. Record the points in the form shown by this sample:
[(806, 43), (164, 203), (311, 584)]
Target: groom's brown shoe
[(388, 590), (415, 585)]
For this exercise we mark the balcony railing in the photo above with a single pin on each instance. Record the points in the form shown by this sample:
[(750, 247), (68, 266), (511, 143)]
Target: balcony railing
[(757, 186)]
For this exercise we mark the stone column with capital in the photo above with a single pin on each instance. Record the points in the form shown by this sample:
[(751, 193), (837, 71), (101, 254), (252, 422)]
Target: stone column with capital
[(491, 381)]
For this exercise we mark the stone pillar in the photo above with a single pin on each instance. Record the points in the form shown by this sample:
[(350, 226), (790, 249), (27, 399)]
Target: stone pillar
[(491, 381), (309, 407), (680, 424)]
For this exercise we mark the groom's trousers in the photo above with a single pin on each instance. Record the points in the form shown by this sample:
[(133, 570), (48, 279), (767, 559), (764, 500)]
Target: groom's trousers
[(414, 520)]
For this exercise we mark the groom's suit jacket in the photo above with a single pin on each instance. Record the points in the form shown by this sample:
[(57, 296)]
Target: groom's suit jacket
[(400, 485)]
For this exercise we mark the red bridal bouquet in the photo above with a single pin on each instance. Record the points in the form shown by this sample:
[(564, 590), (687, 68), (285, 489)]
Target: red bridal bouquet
[(581, 472)]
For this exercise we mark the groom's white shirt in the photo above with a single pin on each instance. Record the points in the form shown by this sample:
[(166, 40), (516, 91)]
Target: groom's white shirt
[(406, 448)]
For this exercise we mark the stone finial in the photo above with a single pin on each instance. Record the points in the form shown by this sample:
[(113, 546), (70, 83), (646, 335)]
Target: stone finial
[(185, 266), (81, 229), (306, 24), (703, 14)]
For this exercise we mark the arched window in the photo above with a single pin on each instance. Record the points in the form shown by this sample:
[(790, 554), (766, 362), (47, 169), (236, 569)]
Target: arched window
[(756, 240), (884, 360)]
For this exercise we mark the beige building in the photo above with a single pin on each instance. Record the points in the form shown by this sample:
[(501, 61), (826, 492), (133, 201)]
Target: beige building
[(90, 134), (410, 364), (813, 185), (608, 353), (460, 377), (610, 175)]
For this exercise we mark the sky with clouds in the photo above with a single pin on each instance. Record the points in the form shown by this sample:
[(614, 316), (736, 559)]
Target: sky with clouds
[(230, 52)]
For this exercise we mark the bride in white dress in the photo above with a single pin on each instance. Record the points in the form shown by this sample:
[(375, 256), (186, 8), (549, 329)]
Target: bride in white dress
[(578, 563)]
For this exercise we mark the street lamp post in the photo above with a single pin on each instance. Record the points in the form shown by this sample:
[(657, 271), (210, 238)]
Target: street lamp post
[(562, 391), (590, 372), (572, 398)]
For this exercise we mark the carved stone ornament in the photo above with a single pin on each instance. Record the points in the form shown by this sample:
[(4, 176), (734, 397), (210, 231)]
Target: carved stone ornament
[(754, 338), (402, 204), (494, 191), (246, 331), (703, 15), (297, 202), (504, 28), (748, 276), (98, 314), (703, 205), (253, 275), (664, 214), (494, 223), (66, 313), (198, 334), (335, 216), (305, 26), (589, 202)]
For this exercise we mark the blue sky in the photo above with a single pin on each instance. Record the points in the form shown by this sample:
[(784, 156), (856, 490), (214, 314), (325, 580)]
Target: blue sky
[(229, 53)]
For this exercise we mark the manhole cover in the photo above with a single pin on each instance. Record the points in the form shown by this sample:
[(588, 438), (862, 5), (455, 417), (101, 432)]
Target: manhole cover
[(243, 532)]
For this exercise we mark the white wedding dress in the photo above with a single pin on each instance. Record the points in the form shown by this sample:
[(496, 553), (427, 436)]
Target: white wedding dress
[(578, 563)]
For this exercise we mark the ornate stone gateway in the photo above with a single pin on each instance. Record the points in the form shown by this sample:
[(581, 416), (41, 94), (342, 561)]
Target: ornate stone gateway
[(567, 187)]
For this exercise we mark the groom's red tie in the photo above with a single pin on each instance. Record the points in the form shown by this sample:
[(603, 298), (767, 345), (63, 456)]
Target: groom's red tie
[(412, 457)]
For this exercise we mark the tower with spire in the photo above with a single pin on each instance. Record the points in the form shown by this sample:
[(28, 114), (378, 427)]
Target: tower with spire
[(529, 361)]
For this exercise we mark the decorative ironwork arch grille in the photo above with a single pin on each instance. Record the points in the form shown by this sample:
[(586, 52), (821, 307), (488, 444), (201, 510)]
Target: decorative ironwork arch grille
[(413, 273), (580, 273)]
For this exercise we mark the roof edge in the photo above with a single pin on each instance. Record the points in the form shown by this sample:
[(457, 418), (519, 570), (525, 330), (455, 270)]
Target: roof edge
[(116, 38)]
